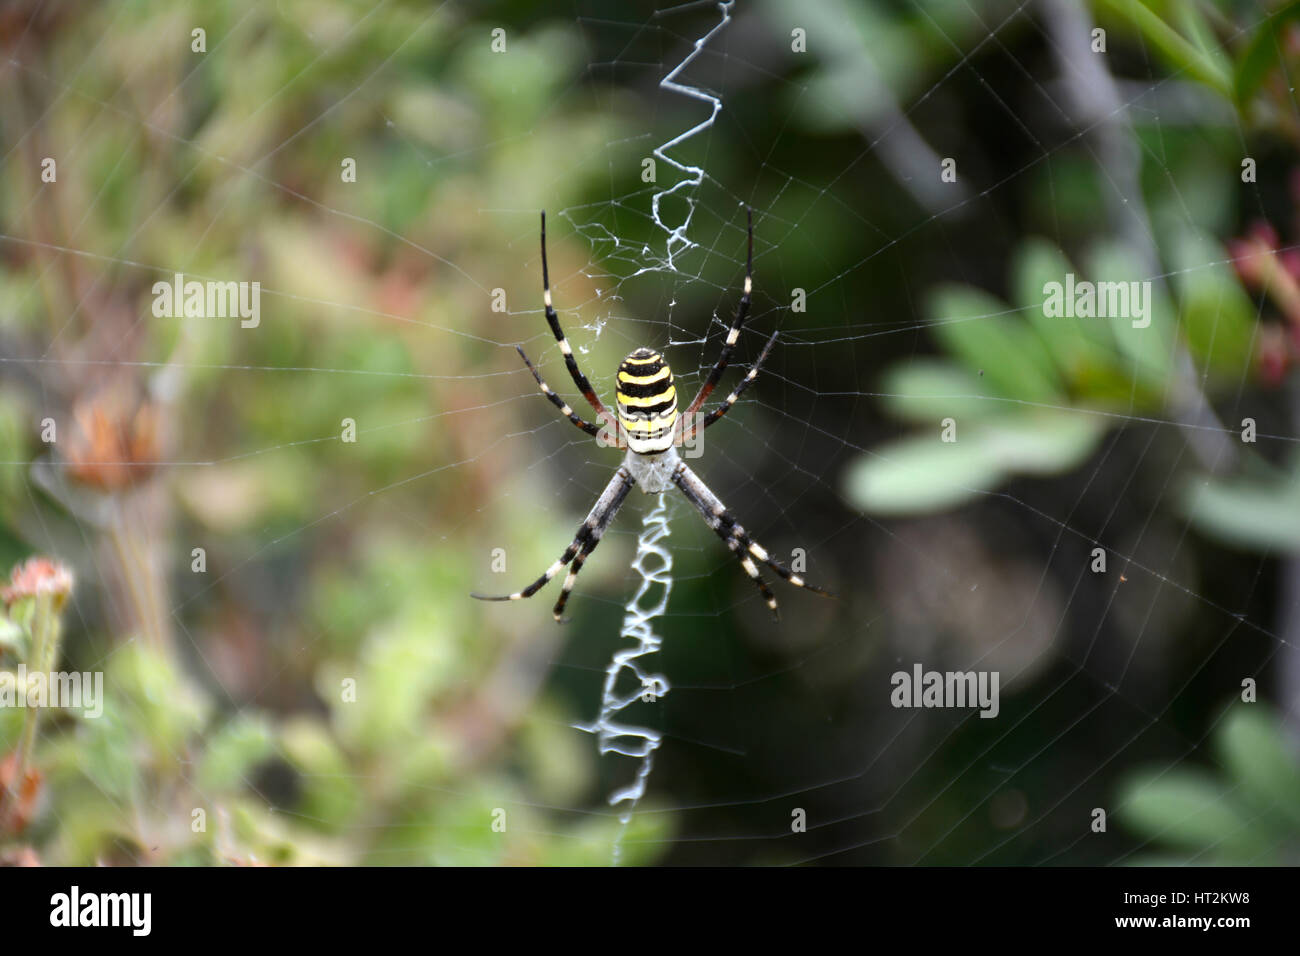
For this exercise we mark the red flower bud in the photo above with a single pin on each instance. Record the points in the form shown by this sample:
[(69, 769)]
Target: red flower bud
[(38, 576)]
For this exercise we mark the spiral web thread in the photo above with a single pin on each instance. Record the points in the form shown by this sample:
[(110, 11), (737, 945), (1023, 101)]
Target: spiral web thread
[(654, 564)]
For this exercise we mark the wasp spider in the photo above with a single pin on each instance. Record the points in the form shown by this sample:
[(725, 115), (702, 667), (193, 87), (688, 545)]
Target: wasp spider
[(650, 428)]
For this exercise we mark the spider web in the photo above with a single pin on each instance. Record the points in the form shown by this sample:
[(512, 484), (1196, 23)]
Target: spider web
[(765, 723)]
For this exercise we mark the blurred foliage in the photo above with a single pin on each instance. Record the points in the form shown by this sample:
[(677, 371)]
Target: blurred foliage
[(1248, 815), (335, 701), (323, 690), (1032, 393)]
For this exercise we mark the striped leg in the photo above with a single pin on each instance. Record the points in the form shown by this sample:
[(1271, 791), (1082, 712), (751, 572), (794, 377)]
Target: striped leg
[(730, 400), (733, 334), (584, 542), (571, 579), (602, 413), (560, 403), (725, 526), (607, 510)]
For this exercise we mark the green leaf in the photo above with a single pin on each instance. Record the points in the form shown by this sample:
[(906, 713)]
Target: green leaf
[(1217, 317), (923, 474), (1041, 443), (233, 752), (920, 475), (929, 390), (981, 330), (165, 708), (330, 794), (1072, 342), (1172, 46), (1193, 25), (1251, 745), (1151, 346), (1084, 350), (1187, 808), (106, 755), (1262, 53), (1246, 513)]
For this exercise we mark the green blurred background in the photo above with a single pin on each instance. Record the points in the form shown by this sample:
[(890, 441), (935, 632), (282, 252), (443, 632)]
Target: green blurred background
[(331, 565)]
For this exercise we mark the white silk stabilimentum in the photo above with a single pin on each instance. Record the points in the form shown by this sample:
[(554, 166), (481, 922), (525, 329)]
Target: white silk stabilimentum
[(654, 563), (694, 175)]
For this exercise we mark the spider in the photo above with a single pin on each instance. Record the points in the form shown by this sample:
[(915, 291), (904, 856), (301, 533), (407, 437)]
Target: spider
[(649, 428)]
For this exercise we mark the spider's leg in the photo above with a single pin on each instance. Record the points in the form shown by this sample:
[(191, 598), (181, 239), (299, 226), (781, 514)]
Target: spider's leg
[(606, 515), (571, 579), (783, 572), (560, 403), (733, 334), (723, 523), (584, 542), (713, 416), (725, 526), (602, 413)]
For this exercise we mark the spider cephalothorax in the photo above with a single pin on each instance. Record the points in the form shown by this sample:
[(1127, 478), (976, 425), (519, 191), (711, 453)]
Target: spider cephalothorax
[(650, 428)]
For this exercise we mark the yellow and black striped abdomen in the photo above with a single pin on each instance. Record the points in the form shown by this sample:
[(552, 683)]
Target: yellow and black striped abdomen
[(647, 402)]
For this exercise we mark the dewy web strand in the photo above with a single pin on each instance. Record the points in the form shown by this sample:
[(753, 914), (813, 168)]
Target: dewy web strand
[(654, 564)]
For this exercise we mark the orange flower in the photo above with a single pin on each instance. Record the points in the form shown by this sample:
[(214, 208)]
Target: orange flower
[(117, 447)]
